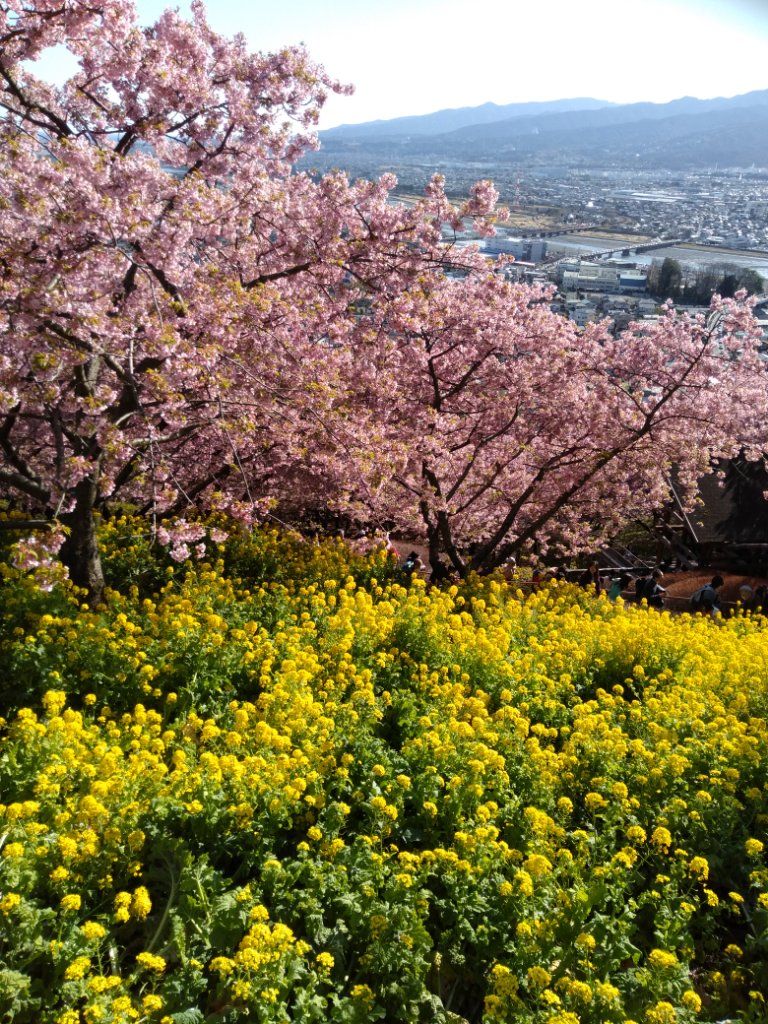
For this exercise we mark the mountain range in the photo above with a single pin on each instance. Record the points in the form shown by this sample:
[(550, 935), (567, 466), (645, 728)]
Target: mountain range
[(686, 132), (461, 117)]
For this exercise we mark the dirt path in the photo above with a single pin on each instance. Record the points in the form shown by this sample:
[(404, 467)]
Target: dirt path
[(681, 585)]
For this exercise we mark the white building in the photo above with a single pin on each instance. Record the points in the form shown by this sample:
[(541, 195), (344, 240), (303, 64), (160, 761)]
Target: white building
[(591, 277), (582, 313), (532, 250)]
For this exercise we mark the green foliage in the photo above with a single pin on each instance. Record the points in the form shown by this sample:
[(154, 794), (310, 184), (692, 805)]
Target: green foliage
[(281, 788)]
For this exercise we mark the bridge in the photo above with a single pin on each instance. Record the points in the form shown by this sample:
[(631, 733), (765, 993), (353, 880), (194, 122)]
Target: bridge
[(629, 250)]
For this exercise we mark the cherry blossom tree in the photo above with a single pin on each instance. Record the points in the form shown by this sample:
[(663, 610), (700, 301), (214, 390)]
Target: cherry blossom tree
[(507, 427), (172, 296)]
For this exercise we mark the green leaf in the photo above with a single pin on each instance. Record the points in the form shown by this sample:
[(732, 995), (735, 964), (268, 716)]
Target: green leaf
[(192, 1015)]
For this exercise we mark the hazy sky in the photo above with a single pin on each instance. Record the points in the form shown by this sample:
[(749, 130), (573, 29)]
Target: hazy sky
[(416, 56)]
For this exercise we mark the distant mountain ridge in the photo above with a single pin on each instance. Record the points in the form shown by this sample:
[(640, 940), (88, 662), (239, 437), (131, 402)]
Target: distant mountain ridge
[(604, 117), (686, 132), (451, 119)]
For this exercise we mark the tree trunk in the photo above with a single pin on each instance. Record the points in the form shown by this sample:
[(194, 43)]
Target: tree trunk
[(433, 542), (80, 551)]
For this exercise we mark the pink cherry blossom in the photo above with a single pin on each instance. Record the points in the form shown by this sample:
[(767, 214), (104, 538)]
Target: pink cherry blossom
[(189, 324)]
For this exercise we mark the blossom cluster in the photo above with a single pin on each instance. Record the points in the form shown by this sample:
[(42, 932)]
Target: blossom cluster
[(285, 786)]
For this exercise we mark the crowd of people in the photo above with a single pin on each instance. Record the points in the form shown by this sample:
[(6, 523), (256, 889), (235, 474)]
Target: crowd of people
[(644, 586)]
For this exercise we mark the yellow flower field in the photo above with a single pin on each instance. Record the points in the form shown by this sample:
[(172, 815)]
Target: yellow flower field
[(281, 787)]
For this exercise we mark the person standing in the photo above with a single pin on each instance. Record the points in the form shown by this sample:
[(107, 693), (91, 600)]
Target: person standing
[(759, 602), (641, 582), (591, 577), (411, 565), (654, 592), (707, 598)]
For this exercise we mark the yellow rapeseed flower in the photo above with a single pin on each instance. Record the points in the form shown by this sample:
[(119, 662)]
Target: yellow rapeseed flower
[(77, 969), (151, 962)]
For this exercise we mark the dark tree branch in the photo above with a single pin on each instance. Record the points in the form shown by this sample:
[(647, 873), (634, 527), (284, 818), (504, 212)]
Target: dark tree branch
[(54, 121), (25, 485), (275, 275)]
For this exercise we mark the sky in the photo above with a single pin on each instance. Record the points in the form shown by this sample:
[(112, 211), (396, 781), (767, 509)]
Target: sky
[(417, 56)]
